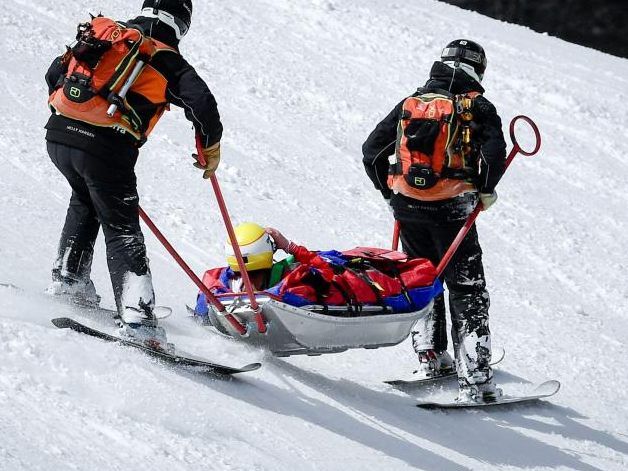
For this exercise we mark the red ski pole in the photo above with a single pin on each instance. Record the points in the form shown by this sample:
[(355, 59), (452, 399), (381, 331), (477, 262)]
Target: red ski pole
[(473, 216), (259, 317), (209, 295)]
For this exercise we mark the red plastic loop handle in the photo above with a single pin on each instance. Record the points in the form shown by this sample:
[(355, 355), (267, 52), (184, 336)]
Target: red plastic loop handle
[(513, 136), (516, 149)]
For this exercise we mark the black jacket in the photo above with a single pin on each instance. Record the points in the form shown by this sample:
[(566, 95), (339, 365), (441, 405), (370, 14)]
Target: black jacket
[(487, 131), (186, 89)]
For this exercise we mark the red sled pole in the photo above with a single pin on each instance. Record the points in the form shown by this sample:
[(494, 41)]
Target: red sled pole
[(259, 317), (209, 295), (396, 234), (476, 212)]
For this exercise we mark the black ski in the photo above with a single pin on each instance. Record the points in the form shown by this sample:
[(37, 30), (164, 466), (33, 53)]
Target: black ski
[(498, 356), (543, 390), (174, 359)]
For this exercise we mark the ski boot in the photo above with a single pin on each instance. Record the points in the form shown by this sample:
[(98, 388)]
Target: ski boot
[(479, 393), (81, 293), (433, 364), (140, 326)]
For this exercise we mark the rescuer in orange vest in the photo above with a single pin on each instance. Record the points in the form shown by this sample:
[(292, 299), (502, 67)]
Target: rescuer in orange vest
[(434, 157), (93, 138)]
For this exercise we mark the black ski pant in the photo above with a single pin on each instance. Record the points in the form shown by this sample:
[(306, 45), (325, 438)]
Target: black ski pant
[(104, 194), (427, 231)]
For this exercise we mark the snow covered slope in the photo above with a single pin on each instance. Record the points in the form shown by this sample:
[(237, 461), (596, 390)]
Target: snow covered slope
[(300, 84)]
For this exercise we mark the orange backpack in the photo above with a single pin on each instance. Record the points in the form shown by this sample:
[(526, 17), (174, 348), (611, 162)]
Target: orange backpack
[(99, 64), (431, 162)]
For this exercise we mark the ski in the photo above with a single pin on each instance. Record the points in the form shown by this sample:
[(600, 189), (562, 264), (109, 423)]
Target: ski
[(541, 391), (498, 356), (174, 359)]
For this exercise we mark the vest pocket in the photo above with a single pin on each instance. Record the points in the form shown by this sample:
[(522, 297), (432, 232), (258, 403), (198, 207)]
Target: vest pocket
[(77, 89), (421, 177)]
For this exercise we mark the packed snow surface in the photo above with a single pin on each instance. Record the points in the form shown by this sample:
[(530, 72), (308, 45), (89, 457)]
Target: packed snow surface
[(300, 84)]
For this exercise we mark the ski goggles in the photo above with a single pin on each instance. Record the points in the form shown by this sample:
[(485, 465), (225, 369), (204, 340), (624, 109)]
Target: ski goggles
[(179, 26), (458, 53)]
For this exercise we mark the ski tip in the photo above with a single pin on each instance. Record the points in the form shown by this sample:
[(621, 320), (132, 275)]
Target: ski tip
[(250, 367), (10, 286), (62, 322), (549, 388)]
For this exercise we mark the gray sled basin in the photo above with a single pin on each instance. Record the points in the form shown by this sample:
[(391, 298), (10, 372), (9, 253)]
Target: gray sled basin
[(310, 331)]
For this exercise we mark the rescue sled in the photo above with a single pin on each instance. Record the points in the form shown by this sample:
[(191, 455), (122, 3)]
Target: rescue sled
[(376, 297)]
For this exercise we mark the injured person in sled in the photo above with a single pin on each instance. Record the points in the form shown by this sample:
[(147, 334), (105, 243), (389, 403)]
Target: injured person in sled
[(351, 282)]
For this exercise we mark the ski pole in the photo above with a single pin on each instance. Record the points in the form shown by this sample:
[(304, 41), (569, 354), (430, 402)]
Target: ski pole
[(204, 289), (118, 99), (516, 149), (259, 317)]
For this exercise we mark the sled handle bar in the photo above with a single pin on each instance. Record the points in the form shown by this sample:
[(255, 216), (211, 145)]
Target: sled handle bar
[(259, 317), (516, 149), (204, 289)]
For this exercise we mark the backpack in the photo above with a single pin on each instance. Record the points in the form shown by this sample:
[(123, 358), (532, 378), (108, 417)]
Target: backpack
[(98, 65), (433, 149)]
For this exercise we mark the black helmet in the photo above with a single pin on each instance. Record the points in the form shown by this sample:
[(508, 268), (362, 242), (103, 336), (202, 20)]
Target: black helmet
[(175, 13), (466, 52)]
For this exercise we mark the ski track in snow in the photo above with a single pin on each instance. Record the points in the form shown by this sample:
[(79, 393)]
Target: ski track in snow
[(300, 84)]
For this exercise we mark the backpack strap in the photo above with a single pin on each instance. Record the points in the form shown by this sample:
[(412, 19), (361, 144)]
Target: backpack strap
[(439, 91)]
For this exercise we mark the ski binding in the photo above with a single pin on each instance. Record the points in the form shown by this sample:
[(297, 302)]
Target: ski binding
[(541, 391), (498, 355)]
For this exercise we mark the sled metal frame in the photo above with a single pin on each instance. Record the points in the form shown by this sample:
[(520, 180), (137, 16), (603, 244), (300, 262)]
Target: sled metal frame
[(317, 330)]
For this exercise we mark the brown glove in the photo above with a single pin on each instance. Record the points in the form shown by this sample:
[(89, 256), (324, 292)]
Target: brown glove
[(212, 160)]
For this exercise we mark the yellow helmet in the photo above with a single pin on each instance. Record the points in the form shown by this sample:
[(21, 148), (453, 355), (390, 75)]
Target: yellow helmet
[(255, 245)]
